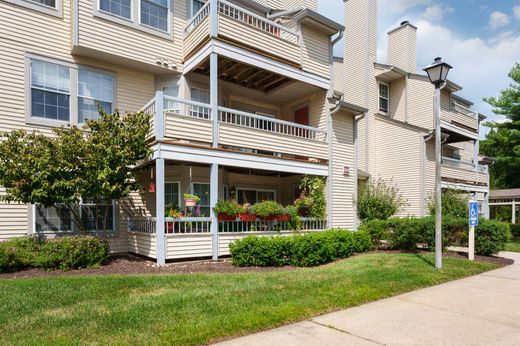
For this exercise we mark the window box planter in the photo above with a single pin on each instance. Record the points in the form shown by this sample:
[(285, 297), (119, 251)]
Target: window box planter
[(283, 218), (226, 217), (247, 217)]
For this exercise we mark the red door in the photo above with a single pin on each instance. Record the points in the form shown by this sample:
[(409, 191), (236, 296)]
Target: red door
[(301, 116)]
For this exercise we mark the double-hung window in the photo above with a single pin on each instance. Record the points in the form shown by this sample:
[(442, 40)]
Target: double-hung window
[(55, 219), (50, 91), (49, 3), (202, 191), (196, 5), (384, 97), (155, 13), (172, 197), (252, 195), (96, 215), (95, 90), (119, 8), (200, 95)]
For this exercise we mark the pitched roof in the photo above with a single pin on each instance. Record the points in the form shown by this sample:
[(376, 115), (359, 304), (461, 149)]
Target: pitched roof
[(506, 193)]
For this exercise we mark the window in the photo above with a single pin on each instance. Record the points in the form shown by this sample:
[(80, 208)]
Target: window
[(383, 97), (154, 13), (53, 219), (252, 195), (173, 91), (120, 8), (97, 216), (50, 91), (94, 89), (196, 5), (202, 190), (49, 3), (172, 196), (200, 95)]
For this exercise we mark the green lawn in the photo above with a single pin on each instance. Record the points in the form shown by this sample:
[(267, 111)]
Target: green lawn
[(193, 309), (513, 245)]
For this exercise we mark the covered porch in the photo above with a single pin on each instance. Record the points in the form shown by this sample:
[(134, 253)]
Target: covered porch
[(165, 227)]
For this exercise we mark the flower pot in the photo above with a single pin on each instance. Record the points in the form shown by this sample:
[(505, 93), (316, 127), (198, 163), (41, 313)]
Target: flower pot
[(283, 218), (247, 217), (190, 202), (169, 227), (269, 218), (226, 217), (303, 211)]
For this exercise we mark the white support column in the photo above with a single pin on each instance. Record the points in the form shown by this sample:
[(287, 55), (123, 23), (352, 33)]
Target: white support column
[(213, 58), (486, 205), (213, 196), (159, 115), (213, 18), (513, 216), (159, 211)]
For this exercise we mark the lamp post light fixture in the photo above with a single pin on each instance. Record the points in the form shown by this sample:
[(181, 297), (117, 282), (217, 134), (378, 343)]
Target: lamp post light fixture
[(438, 73)]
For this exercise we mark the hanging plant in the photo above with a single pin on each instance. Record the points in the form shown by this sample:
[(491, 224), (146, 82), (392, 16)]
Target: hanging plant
[(191, 200)]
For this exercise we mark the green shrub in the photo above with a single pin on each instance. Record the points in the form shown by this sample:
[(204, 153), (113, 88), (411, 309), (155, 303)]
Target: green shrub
[(68, 253), (377, 230), (266, 209), (491, 237), (17, 253), (515, 230), (314, 189), (405, 234), (230, 208), (454, 204), (378, 200), (299, 250)]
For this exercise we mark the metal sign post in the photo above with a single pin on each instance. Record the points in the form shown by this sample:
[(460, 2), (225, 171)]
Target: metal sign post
[(473, 221)]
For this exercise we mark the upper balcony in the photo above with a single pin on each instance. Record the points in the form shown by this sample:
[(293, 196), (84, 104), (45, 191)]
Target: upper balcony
[(455, 170), (307, 49), (188, 122), (459, 115)]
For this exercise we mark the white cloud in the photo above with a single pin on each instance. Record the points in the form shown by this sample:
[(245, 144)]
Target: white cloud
[(436, 12), (396, 6), (484, 8), (498, 20), (516, 12)]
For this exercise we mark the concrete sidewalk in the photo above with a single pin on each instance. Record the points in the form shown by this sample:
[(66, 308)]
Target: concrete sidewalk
[(479, 310)]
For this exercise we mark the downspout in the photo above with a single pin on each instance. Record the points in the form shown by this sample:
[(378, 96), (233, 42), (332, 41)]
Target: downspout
[(330, 113)]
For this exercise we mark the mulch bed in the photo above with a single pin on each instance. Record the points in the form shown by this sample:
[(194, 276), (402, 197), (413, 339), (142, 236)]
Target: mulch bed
[(129, 264)]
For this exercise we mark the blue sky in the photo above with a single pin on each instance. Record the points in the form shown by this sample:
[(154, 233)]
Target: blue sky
[(480, 38)]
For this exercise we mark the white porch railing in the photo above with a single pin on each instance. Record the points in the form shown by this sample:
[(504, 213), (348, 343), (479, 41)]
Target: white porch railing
[(243, 16), (458, 163), (463, 110), (306, 224), (263, 123), (187, 107)]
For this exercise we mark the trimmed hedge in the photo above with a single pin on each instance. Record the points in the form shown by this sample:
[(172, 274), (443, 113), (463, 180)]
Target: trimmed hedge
[(407, 233), (64, 253), (306, 250)]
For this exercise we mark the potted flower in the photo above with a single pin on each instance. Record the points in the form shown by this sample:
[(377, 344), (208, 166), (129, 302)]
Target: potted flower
[(267, 210), (227, 210), (172, 212), (247, 213), (191, 200), (303, 204), (288, 211)]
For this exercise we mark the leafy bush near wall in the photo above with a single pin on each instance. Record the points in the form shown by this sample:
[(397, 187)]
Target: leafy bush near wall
[(453, 203), (378, 200), (60, 253), (407, 233), (298, 250)]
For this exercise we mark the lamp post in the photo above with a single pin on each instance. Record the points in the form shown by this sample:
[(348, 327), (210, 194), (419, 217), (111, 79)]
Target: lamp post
[(438, 73)]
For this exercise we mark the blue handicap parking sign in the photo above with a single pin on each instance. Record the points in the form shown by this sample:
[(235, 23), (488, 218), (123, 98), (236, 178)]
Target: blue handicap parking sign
[(473, 213)]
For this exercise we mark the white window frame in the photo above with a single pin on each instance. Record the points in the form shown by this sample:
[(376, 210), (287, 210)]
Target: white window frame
[(179, 202), (192, 191), (114, 218), (191, 14), (100, 71), (56, 11), (382, 97), (238, 189), (74, 70), (132, 14), (168, 19), (135, 21)]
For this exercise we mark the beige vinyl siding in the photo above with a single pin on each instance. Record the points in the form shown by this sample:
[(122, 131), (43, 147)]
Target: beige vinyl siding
[(420, 103), (402, 48), (456, 174), (258, 39), (343, 188), (196, 37), (142, 244), (188, 246), (109, 37), (339, 72), (13, 219), (398, 162), (397, 94), (186, 127), (315, 52)]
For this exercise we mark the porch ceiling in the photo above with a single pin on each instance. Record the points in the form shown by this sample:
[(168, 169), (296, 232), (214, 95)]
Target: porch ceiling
[(246, 75)]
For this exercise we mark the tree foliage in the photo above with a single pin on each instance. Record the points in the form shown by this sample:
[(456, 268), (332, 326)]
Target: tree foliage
[(96, 161), (503, 140), (453, 203), (378, 200)]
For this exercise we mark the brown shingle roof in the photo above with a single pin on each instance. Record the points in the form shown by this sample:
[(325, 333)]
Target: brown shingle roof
[(509, 193)]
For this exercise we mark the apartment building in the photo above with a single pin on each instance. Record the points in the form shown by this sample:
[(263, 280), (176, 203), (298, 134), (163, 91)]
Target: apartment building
[(239, 97), (396, 137)]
